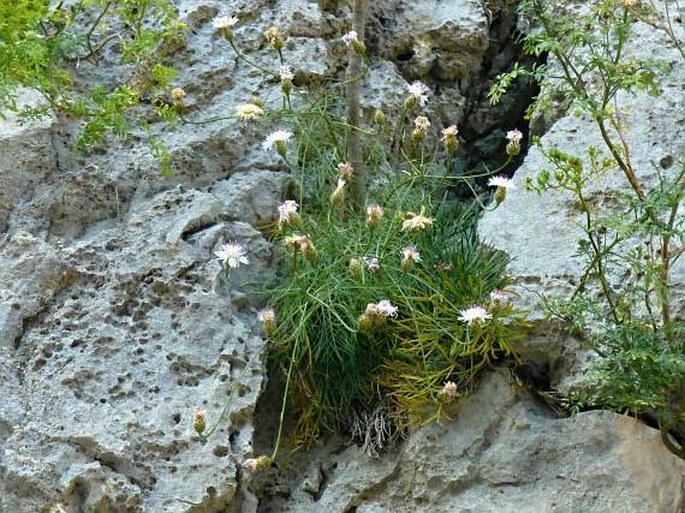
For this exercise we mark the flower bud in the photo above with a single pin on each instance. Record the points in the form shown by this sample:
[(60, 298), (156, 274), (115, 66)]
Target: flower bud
[(379, 118), (257, 464), (356, 268), (200, 422), (178, 94), (267, 316)]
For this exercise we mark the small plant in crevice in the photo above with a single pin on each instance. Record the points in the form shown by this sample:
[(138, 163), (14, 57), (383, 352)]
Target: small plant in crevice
[(44, 47), (636, 334)]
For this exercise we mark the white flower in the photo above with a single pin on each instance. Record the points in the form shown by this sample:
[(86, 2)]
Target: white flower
[(418, 90), (475, 314), (248, 111), (232, 254), (514, 135), (224, 22), (287, 211), (286, 73), (409, 252), (449, 133), (372, 264), (279, 137), (497, 296), (386, 308), (501, 181), (266, 315), (422, 123), (350, 38)]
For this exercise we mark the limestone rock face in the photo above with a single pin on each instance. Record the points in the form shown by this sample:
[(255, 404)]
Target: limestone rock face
[(117, 323), (505, 453)]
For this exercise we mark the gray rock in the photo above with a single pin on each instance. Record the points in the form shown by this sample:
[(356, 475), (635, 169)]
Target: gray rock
[(506, 452)]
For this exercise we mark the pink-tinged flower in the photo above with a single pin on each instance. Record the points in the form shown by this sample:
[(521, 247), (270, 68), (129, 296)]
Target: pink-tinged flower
[(349, 38), (416, 222), (514, 145), (345, 170), (232, 254), (374, 214), (514, 135), (386, 308), (287, 212), (410, 251), (352, 41), (449, 389), (475, 314), (257, 464), (497, 296), (417, 94), (267, 316)]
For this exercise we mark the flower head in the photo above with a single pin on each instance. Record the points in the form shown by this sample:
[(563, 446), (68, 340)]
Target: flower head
[(232, 254), (287, 212), (475, 314), (277, 140), (349, 38), (274, 36), (177, 94), (421, 125), (224, 22), (386, 308), (449, 137), (248, 111), (257, 464), (497, 296), (514, 135), (449, 390), (267, 316), (416, 222), (286, 73), (501, 181), (410, 255), (503, 184), (374, 214), (417, 94), (345, 170), (514, 145), (301, 243), (372, 264), (225, 25)]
